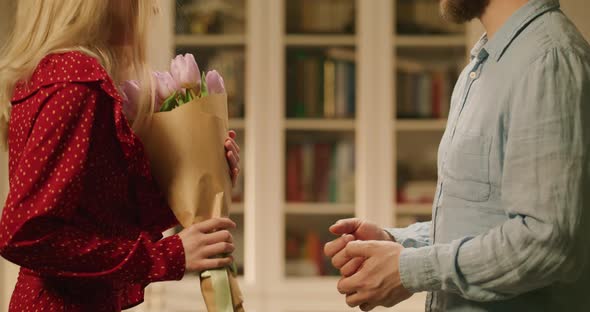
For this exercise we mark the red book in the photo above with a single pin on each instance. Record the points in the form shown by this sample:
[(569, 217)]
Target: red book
[(437, 81), (294, 170), (315, 252), (322, 161)]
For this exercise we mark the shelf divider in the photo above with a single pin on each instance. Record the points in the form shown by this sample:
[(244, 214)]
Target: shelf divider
[(313, 40), (320, 208), (420, 125), (209, 40), (321, 124), (430, 41)]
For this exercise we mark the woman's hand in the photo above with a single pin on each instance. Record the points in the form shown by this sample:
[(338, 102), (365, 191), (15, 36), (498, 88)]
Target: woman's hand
[(232, 152), (205, 241)]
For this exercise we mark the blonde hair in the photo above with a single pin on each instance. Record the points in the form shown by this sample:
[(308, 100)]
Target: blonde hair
[(42, 27)]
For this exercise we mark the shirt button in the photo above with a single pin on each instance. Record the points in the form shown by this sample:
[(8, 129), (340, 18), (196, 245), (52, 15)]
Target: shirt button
[(473, 75)]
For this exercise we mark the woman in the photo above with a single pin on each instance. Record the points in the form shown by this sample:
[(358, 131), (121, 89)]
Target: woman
[(83, 216)]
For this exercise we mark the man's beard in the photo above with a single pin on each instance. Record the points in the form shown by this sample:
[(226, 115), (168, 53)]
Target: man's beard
[(462, 11)]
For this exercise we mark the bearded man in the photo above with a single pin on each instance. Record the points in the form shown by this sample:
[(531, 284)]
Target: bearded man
[(511, 216)]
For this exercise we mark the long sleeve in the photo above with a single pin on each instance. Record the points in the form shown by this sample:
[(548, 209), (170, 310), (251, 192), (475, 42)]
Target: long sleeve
[(44, 227), (545, 192), (414, 236)]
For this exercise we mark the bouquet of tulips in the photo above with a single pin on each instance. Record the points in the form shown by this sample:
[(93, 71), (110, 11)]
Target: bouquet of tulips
[(184, 142)]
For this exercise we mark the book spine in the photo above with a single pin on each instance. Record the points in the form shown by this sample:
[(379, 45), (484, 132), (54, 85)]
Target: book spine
[(294, 169), (329, 89)]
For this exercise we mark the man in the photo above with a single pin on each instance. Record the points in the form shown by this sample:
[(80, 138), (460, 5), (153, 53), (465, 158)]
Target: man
[(511, 216)]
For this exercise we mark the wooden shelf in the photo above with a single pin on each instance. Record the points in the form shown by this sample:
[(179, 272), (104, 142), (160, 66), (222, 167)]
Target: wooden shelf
[(342, 209), (451, 41), (420, 125), (320, 40), (413, 209), (321, 124), (237, 124), (319, 208), (209, 40)]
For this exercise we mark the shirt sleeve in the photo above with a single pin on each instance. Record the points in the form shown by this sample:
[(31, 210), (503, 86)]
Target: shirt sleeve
[(41, 227), (545, 183), (414, 236)]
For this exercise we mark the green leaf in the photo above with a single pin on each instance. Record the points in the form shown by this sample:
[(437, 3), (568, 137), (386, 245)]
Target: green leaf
[(204, 88), (189, 96), (170, 103)]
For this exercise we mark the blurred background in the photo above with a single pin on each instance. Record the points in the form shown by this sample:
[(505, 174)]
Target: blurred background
[(339, 106)]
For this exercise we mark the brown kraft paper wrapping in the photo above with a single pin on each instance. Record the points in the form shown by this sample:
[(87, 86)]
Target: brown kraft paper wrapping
[(186, 150)]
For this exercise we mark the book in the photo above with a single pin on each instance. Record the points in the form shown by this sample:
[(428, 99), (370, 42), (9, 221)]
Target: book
[(308, 172), (424, 87), (294, 168), (329, 89), (320, 172), (320, 85)]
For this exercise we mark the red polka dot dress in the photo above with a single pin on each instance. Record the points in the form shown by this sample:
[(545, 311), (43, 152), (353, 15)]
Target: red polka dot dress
[(83, 216)]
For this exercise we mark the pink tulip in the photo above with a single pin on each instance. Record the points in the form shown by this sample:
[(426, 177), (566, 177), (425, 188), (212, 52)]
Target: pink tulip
[(130, 92), (166, 86), (215, 83), (186, 72)]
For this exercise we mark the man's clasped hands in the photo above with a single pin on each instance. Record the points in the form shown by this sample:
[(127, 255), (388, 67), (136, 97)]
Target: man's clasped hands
[(368, 259)]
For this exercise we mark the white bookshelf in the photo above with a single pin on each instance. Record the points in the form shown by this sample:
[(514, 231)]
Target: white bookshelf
[(410, 125), (374, 130), (426, 41)]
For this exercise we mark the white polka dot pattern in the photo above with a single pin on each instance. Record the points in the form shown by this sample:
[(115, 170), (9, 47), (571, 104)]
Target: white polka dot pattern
[(83, 216)]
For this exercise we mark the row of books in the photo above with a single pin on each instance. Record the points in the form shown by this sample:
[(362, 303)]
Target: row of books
[(320, 16), (423, 89), (320, 85), (320, 172)]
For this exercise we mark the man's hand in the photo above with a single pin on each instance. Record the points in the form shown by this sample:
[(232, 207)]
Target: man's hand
[(350, 230), (378, 282)]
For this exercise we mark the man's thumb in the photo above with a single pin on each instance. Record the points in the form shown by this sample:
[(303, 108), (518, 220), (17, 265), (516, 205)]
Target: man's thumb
[(345, 226)]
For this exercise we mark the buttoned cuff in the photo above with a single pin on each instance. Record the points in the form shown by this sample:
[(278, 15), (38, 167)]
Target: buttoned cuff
[(168, 260), (399, 234), (408, 237), (417, 270)]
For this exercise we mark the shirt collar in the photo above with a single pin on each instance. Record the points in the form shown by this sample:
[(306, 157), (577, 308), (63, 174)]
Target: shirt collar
[(512, 28), (478, 48)]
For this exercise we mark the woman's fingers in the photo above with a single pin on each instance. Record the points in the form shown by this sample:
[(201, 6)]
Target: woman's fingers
[(232, 158), (219, 237), (215, 224), (231, 144), (214, 250), (234, 167)]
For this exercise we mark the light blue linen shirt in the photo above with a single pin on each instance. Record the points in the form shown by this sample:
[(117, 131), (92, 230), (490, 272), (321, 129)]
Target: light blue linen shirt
[(511, 216)]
